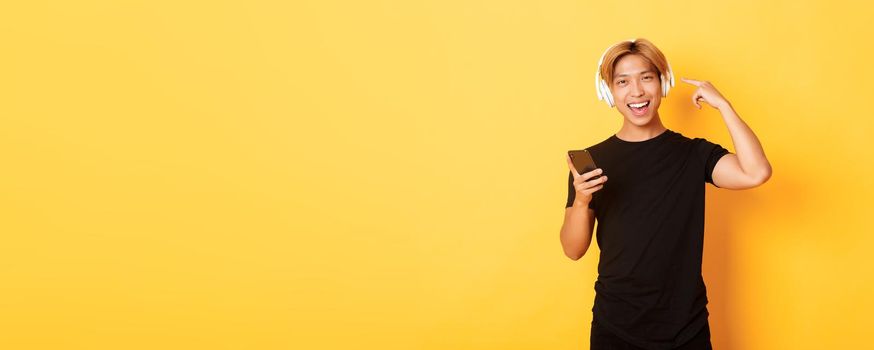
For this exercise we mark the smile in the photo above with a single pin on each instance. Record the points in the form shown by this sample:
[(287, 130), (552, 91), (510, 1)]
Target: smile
[(639, 109)]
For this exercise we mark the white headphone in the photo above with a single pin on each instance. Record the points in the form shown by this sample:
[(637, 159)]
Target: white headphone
[(603, 89)]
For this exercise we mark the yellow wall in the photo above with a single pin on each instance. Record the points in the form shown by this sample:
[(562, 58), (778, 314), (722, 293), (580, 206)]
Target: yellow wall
[(391, 174)]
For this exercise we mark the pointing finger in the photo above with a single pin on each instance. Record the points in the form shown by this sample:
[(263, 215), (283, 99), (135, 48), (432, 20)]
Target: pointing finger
[(691, 81)]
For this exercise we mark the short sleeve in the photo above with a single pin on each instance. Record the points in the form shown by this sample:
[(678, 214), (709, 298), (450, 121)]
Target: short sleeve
[(572, 193), (709, 153)]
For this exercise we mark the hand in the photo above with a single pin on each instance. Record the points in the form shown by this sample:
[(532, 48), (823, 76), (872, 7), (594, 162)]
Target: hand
[(582, 184), (706, 92)]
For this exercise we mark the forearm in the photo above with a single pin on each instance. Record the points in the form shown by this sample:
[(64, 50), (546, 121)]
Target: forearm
[(749, 150), (576, 231)]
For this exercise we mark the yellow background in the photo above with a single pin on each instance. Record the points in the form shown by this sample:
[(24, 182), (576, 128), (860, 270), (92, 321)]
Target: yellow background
[(391, 174)]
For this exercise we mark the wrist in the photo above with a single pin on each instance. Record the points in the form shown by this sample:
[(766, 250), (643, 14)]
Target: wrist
[(725, 106), (581, 203)]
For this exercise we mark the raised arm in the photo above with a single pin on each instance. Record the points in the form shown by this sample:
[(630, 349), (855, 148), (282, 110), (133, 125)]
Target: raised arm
[(749, 167)]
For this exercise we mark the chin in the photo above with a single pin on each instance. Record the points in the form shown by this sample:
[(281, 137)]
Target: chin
[(639, 121), (642, 120)]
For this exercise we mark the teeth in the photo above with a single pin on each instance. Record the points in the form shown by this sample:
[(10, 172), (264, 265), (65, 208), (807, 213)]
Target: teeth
[(638, 105)]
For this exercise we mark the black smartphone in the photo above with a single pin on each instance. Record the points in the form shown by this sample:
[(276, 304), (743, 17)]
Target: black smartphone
[(583, 162)]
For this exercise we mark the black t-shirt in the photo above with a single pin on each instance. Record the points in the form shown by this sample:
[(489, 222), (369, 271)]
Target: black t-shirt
[(650, 216)]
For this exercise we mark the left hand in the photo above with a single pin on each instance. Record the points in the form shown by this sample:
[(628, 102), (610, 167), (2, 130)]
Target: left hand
[(706, 93)]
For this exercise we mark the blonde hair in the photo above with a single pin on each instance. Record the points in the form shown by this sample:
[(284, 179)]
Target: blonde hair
[(641, 47)]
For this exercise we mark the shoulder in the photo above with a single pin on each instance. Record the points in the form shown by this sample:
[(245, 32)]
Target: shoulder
[(698, 143), (600, 146), (676, 135), (679, 137)]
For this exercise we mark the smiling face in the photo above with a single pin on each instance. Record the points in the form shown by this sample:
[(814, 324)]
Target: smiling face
[(636, 89)]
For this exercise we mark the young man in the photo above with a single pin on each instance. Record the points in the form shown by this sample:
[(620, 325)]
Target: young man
[(649, 204)]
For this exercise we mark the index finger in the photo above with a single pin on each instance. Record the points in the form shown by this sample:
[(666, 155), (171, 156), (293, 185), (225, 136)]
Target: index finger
[(691, 81), (570, 164)]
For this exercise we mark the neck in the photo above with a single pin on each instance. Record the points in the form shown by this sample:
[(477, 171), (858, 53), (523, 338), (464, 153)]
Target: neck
[(632, 132)]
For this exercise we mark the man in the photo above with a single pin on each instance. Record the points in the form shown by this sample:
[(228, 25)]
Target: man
[(649, 204)]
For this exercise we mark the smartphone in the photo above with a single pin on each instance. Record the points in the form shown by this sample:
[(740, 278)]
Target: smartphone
[(583, 162)]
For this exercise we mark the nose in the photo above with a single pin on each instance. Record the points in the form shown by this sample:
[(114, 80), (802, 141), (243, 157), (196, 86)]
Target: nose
[(637, 88)]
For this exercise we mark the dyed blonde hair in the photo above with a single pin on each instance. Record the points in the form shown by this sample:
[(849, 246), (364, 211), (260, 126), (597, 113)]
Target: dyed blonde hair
[(641, 47)]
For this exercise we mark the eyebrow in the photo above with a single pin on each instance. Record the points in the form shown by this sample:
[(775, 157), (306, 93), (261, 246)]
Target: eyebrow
[(641, 73)]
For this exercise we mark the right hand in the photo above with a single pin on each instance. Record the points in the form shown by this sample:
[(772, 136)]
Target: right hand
[(582, 183)]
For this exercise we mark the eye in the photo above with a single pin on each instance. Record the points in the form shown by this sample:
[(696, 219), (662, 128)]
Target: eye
[(621, 81), (648, 77)]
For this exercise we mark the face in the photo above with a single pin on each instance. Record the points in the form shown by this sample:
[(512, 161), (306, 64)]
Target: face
[(636, 82)]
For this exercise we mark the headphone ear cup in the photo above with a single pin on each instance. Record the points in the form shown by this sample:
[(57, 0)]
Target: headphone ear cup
[(598, 86), (665, 86), (668, 81), (607, 94)]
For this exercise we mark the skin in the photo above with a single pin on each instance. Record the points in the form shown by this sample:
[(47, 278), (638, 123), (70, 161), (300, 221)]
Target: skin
[(749, 167), (636, 80)]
